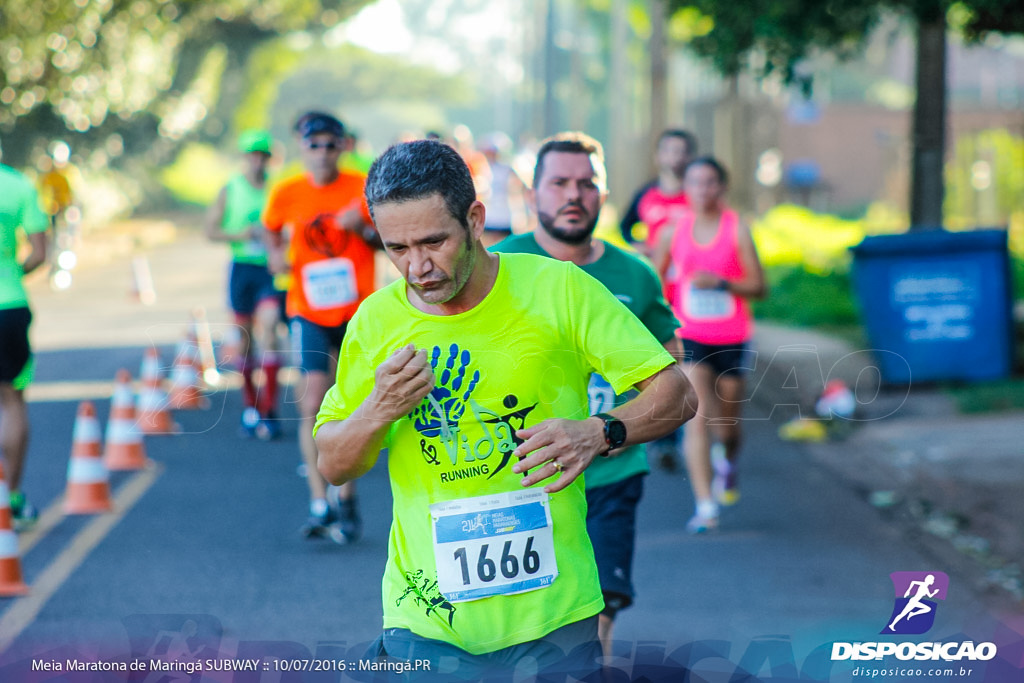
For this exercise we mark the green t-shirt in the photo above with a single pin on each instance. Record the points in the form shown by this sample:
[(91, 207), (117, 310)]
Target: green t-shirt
[(243, 208), (522, 355), (634, 283), (19, 208)]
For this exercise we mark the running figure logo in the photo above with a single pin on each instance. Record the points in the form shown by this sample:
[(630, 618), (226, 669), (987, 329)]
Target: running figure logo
[(914, 612), (426, 594)]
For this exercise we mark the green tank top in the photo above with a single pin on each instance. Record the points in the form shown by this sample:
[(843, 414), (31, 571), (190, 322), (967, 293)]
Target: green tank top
[(242, 208), (19, 210)]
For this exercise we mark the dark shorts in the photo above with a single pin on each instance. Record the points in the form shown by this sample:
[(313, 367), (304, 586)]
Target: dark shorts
[(280, 300), (248, 285), (724, 359), (15, 350), (313, 346), (611, 523), (570, 651)]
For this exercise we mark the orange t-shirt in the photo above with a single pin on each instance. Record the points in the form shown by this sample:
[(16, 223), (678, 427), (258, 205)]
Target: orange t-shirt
[(333, 268)]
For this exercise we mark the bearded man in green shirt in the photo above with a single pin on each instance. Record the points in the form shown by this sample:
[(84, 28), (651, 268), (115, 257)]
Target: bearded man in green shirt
[(569, 189)]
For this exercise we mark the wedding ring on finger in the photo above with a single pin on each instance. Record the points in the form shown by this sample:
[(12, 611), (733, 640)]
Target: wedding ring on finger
[(558, 465)]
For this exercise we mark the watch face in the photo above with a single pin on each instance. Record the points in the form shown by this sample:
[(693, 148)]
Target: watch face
[(615, 431)]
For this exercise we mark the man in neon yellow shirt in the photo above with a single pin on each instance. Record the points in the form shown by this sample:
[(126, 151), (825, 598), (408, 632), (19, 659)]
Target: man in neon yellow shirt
[(473, 372), (19, 210)]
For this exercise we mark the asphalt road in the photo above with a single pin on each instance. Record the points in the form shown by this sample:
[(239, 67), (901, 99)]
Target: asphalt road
[(201, 558)]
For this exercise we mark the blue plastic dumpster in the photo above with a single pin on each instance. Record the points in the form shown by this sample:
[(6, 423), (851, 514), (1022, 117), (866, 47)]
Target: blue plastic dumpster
[(936, 305)]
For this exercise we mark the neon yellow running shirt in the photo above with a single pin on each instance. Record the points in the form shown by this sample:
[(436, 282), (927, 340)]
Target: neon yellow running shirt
[(460, 549)]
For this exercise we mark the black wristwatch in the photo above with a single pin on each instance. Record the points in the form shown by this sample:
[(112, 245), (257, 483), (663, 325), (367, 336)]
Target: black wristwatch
[(614, 431)]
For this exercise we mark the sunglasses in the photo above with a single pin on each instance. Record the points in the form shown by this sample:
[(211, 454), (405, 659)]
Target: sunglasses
[(329, 146)]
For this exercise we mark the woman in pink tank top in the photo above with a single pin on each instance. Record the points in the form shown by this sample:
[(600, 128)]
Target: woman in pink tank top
[(710, 258)]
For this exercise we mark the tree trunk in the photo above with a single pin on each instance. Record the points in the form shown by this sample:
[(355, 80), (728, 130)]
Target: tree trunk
[(619, 87), (550, 103), (929, 126), (659, 81)]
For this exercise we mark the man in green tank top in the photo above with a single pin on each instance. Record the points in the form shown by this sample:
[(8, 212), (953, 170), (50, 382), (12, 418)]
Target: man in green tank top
[(235, 219), (19, 211)]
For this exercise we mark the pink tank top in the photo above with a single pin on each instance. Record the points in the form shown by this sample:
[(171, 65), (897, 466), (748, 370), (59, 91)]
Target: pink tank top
[(710, 316)]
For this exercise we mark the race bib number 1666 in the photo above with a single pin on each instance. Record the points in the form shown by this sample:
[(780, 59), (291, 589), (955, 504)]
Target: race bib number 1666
[(493, 545)]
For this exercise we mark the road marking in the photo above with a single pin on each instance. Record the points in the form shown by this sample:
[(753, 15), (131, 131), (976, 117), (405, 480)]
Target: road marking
[(41, 392), (68, 391), (24, 610), (50, 518)]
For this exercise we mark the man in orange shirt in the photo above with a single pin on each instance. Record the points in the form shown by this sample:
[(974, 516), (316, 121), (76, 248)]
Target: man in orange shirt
[(332, 265)]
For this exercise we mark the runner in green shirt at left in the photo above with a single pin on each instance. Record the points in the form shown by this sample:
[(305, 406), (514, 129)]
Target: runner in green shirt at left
[(19, 211), (567, 196), (477, 386), (258, 306)]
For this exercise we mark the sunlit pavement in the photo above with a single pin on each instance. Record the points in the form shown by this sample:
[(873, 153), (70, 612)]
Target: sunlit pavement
[(208, 553)]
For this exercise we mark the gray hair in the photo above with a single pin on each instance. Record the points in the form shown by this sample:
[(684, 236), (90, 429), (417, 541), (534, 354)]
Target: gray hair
[(416, 170)]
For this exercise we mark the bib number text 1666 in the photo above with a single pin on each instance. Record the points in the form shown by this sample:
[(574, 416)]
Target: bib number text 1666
[(509, 564)]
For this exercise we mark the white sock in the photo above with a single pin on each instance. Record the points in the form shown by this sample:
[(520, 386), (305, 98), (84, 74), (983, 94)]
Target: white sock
[(718, 458), (318, 507), (708, 509)]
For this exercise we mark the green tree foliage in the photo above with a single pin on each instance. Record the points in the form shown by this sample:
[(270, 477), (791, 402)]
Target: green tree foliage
[(75, 64), (776, 35), (985, 178), (376, 95), (282, 81)]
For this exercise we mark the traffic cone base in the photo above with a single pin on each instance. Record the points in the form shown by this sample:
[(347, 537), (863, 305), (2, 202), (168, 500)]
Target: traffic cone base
[(124, 448), (88, 489), (11, 583), (154, 414), (185, 393)]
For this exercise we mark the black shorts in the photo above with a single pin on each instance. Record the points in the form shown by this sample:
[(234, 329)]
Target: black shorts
[(314, 345), (724, 359), (611, 523), (248, 285), (15, 351)]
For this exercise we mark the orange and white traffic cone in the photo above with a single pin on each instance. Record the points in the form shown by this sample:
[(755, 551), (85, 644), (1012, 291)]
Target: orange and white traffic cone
[(206, 356), (185, 393), (150, 370), (11, 583), (153, 407), (124, 449), (88, 489)]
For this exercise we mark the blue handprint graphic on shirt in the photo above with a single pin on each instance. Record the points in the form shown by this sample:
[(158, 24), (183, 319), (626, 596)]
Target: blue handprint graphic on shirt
[(443, 407)]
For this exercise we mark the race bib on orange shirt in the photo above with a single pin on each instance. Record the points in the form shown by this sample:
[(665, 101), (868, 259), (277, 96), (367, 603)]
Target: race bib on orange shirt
[(329, 284)]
